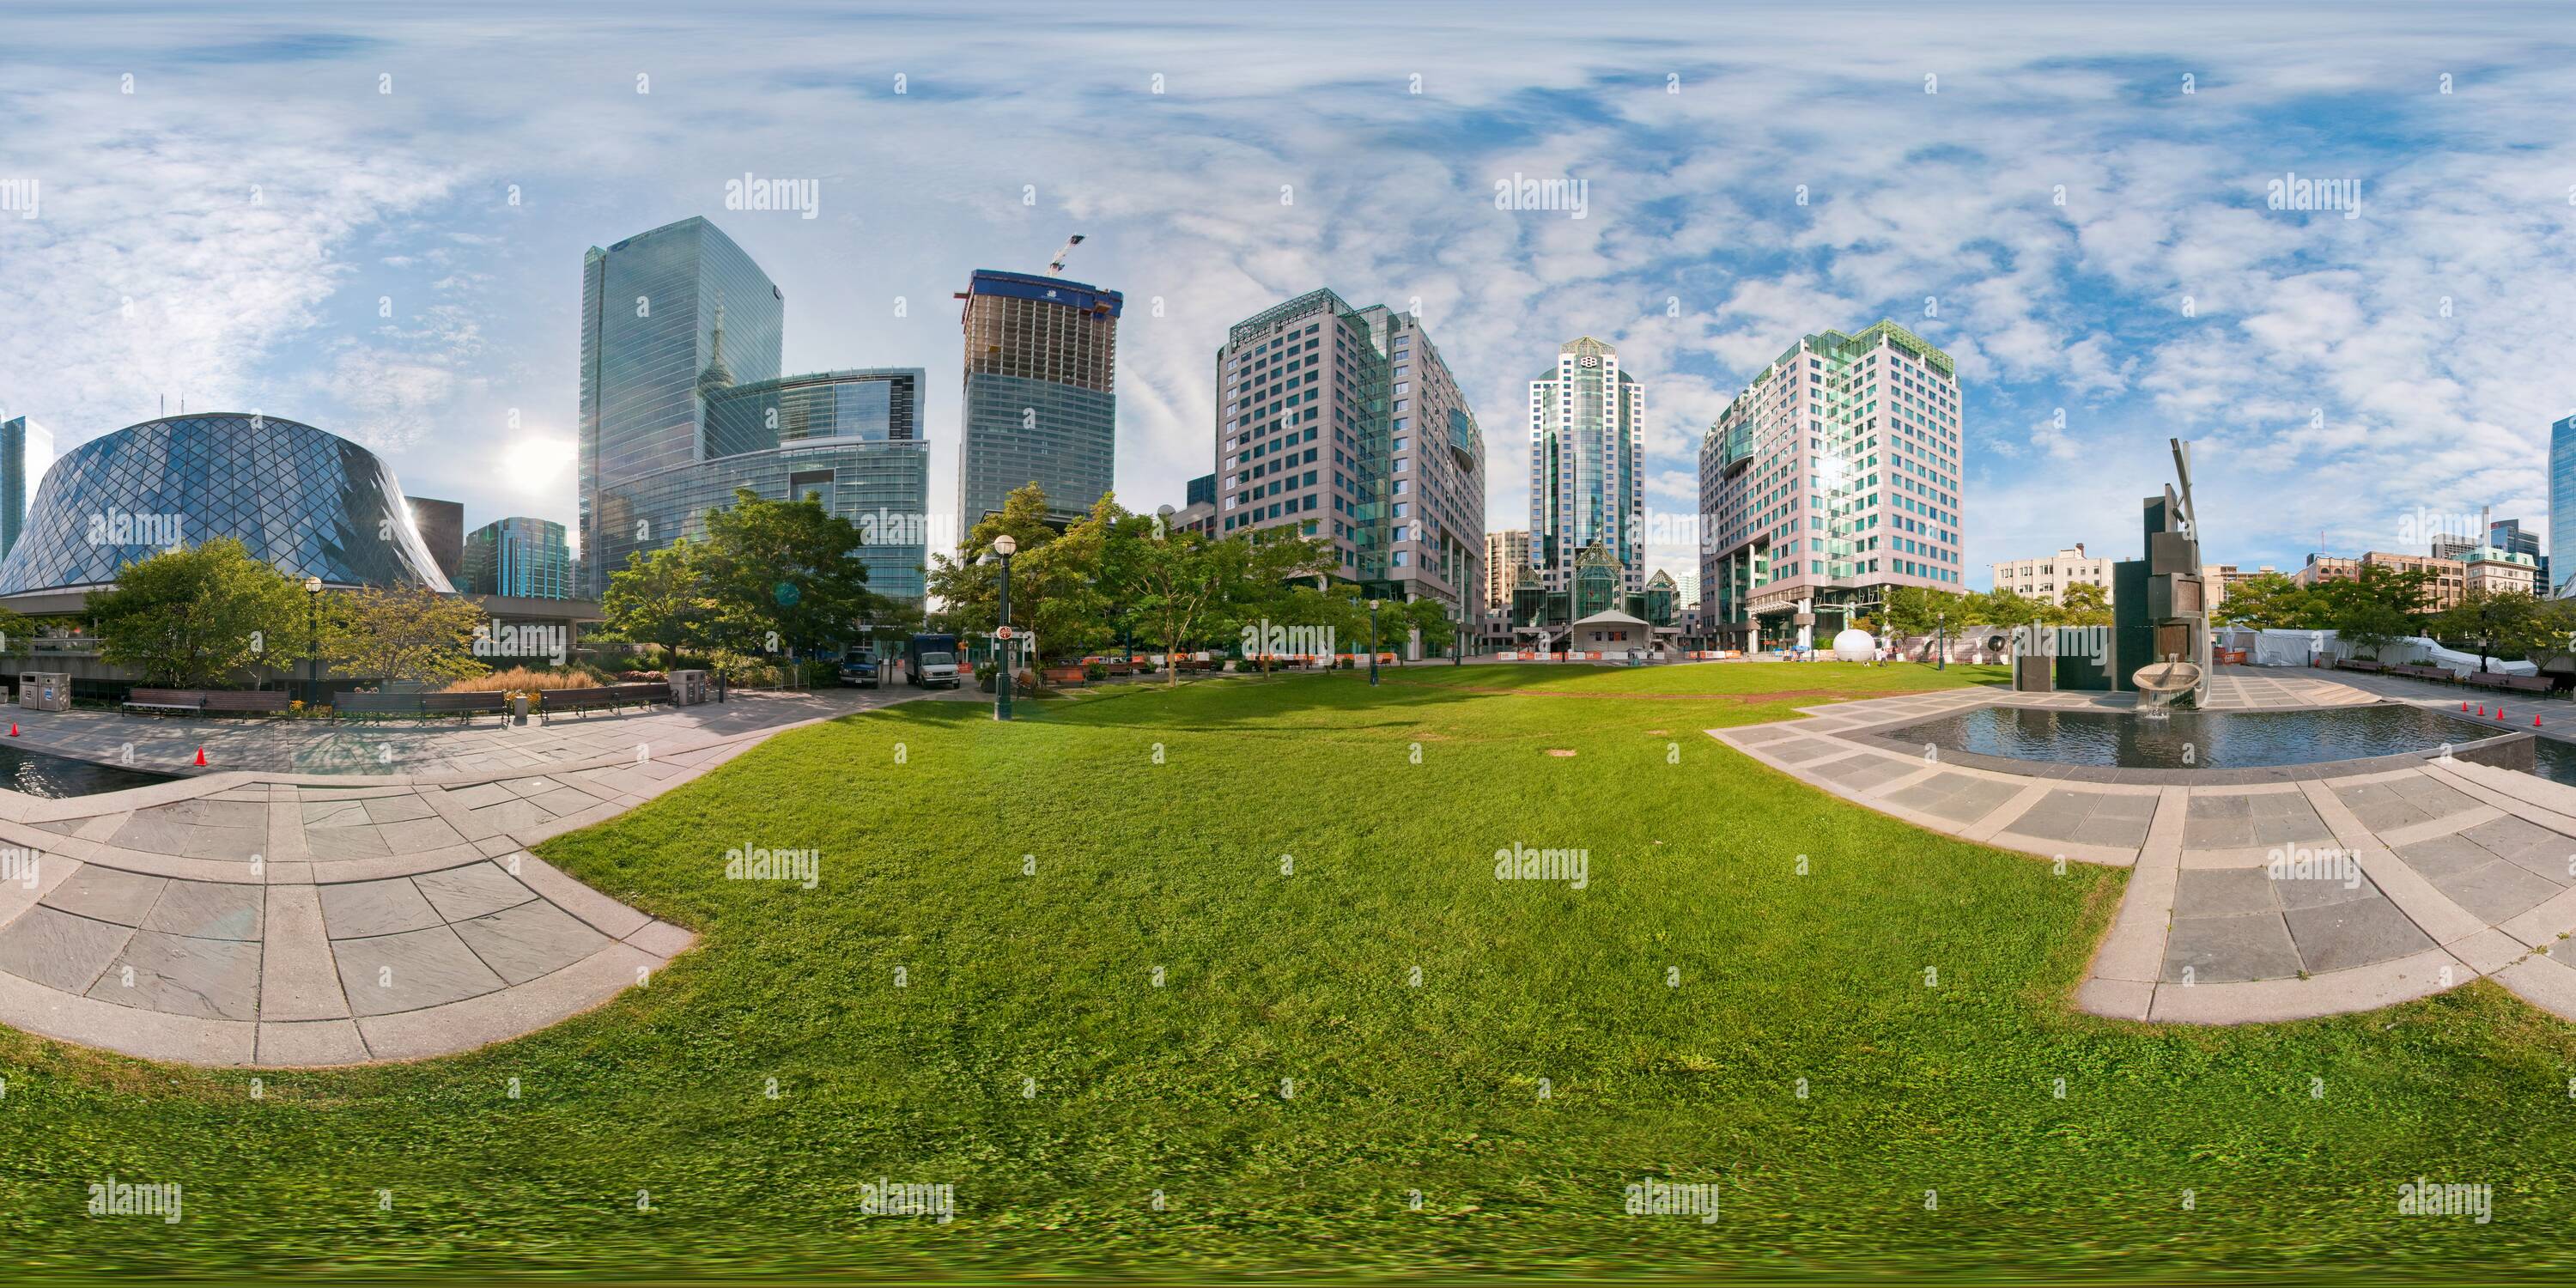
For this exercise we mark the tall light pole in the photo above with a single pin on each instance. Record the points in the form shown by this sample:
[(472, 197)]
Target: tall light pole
[(1373, 641), (1005, 547), (1940, 641), (312, 640)]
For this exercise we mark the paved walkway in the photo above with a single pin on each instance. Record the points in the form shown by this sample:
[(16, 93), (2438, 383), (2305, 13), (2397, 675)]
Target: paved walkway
[(2270, 901), (268, 916)]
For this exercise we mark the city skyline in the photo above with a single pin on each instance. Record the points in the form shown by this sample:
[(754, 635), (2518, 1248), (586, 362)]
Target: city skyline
[(409, 286)]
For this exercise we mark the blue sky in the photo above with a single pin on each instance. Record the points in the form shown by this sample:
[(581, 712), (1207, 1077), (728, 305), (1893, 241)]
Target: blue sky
[(258, 224)]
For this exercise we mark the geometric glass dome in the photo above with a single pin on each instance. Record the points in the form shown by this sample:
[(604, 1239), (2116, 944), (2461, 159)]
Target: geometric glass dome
[(307, 502)]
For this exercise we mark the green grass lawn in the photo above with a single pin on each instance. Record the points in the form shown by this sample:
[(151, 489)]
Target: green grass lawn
[(934, 1013)]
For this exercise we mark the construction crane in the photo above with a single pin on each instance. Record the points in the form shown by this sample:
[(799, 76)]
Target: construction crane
[(1058, 266)]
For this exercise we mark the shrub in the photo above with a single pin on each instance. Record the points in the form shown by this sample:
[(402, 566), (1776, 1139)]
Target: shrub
[(520, 679)]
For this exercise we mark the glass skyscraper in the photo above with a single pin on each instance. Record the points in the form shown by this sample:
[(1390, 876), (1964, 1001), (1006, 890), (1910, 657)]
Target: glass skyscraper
[(1587, 465), (26, 452), (2562, 492), (682, 402), (518, 556), (1041, 399)]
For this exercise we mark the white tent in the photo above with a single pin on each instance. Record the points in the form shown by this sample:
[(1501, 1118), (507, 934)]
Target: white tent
[(2278, 647)]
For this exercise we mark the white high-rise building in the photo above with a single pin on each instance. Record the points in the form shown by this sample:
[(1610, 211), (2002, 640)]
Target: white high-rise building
[(1831, 479), (1587, 423)]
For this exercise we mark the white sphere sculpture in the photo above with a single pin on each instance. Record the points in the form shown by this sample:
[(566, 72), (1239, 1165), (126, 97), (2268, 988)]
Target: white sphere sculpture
[(1855, 645)]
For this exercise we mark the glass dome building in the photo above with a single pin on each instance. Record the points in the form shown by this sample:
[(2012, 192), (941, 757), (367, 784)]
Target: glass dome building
[(310, 503)]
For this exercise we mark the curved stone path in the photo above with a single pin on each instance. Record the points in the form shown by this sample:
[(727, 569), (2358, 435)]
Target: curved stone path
[(267, 917), (2394, 882)]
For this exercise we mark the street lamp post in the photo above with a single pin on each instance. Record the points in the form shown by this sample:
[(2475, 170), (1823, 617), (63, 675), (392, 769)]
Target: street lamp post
[(1940, 641), (312, 640), (1373, 641), (1005, 547)]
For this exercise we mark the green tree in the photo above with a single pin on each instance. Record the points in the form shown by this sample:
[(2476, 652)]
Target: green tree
[(2371, 625), (658, 599), (2499, 623), (2268, 601), (1427, 615), (1916, 610), (783, 575), (2085, 604), (1058, 582), (1176, 586), (403, 633), (191, 616)]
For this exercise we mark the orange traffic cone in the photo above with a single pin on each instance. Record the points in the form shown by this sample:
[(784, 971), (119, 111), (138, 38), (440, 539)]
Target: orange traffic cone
[(13, 728), (2464, 705), (2535, 722), (201, 757)]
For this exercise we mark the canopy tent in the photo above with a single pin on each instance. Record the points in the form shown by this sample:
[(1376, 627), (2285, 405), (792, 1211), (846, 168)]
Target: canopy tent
[(2281, 647)]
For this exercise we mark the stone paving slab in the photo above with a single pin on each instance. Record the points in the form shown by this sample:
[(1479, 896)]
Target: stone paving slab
[(266, 915), (2249, 900)]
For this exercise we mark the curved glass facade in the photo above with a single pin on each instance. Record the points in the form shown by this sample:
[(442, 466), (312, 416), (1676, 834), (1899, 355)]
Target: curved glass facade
[(2562, 498), (310, 503)]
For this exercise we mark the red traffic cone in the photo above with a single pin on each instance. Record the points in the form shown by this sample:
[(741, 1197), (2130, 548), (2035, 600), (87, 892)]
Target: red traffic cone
[(201, 757), (2535, 722), (13, 728), (2464, 704), (2482, 708)]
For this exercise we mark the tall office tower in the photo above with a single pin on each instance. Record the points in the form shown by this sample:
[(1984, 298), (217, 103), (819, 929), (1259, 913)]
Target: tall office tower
[(1832, 479), (1587, 423), (519, 557), (2508, 535), (26, 452), (1041, 393), (667, 318), (2562, 494), (682, 403), (1344, 423), (442, 529), (1506, 552), (1687, 586)]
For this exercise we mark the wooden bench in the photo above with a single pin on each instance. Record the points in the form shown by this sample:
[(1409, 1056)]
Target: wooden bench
[(1065, 675), (165, 702), (464, 706), (2486, 679), (246, 701), (2356, 664), (2422, 673), (2528, 683), (611, 696), (364, 706)]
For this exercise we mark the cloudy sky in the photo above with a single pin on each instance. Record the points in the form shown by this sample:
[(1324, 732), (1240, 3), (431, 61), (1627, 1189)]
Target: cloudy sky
[(372, 219)]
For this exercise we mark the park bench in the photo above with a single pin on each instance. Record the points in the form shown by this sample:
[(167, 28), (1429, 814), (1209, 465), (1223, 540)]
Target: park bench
[(364, 706), (2528, 683), (2356, 664), (165, 702), (611, 696), (245, 701), (2486, 679), (1064, 675), (2422, 672), (464, 706)]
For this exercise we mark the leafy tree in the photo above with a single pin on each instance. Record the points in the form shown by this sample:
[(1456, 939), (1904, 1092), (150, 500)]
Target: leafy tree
[(2508, 622), (2268, 601), (782, 575), (1916, 610), (400, 633), (1427, 615), (657, 598), (1174, 586), (2372, 625), (2085, 604), (1057, 577), (190, 616)]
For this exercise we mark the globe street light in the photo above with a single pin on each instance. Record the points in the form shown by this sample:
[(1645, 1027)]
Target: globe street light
[(1004, 546), (312, 640)]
